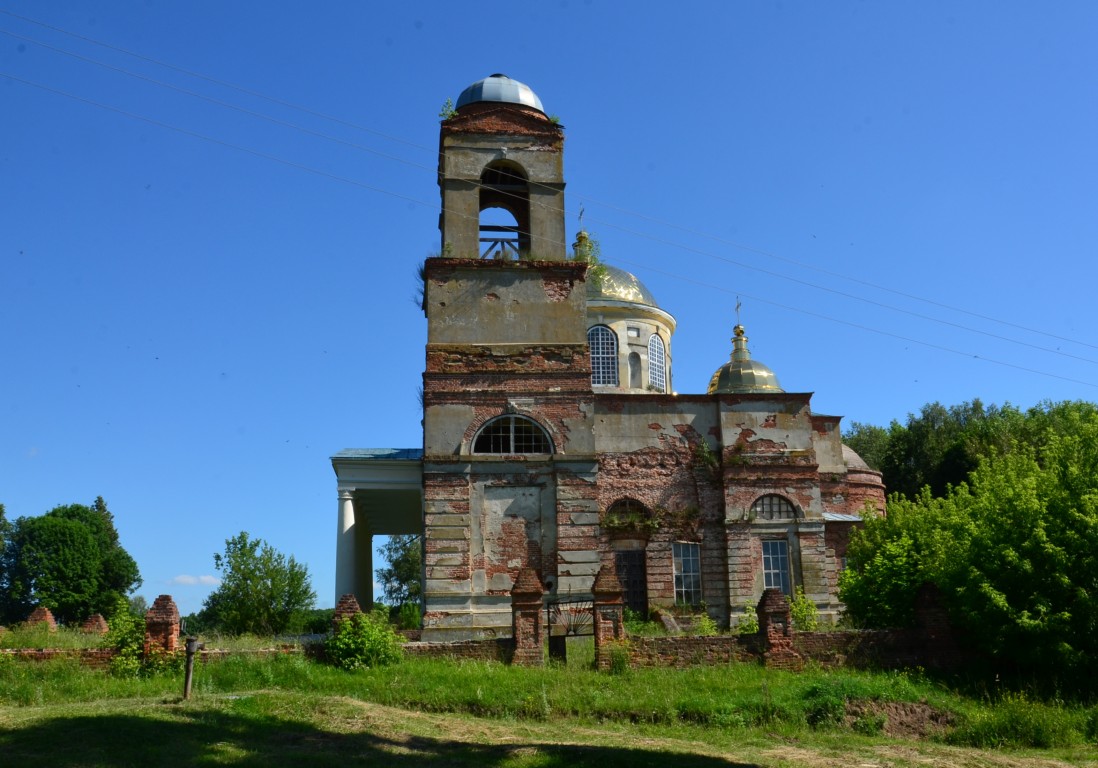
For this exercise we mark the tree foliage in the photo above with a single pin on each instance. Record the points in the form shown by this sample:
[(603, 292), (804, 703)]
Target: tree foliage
[(938, 447), (69, 560), (401, 580), (1014, 550), (261, 592)]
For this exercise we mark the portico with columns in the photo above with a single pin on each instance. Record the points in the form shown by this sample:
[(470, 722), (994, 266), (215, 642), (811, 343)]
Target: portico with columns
[(380, 493)]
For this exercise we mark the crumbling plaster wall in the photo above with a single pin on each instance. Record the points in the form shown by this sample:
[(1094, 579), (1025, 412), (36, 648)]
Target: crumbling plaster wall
[(488, 302)]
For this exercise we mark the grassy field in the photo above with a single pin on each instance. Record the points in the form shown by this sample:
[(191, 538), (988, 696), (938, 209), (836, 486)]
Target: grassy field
[(289, 711)]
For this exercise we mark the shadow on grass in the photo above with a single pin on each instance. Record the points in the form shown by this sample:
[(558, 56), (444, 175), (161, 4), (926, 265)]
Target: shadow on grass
[(181, 736)]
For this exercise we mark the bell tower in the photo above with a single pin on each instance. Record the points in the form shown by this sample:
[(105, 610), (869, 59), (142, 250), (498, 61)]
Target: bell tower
[(508, 454), (501, 158)]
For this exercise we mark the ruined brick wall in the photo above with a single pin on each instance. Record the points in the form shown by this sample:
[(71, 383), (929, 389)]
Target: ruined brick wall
[(96, 658), (859, 649), (849, 493), (162, 626), (42, 615), (682, 652), (497, 649), (654, 450), (837, 539), (95, 624)]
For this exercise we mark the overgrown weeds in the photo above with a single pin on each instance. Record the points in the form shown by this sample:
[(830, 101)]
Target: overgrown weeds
[(733, 697), (40, 636), (1016, 722)]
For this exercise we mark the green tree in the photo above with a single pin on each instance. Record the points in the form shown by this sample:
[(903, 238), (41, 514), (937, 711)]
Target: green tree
[(262, 591), (940, 446), (69, 559), (402, 580), (869, 441), (1014, 551)]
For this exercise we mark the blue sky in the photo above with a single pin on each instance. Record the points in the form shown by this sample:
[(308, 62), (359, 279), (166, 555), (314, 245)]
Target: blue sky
[(206, 283)]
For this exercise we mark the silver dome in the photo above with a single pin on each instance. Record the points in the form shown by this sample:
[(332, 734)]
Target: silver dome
[(500, 88)]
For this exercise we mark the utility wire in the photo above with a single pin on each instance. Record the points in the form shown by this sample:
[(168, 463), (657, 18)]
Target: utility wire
[(619, 209), (859, 326), (362, 185), (555, 210)]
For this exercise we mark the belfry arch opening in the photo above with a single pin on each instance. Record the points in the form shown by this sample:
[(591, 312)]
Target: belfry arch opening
[(504, 211)]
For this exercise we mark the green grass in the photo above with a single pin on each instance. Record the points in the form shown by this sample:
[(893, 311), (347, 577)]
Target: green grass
[(39, 636), (271, 709)]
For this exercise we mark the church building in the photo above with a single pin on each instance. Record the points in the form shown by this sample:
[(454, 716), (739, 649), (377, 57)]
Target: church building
[(552, 436)]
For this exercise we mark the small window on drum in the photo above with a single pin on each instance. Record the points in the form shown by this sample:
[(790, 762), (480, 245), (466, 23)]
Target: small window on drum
[(512, 435), (773, 507)]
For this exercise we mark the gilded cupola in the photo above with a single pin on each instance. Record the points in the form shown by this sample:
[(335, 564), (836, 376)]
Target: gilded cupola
[(741, 374)]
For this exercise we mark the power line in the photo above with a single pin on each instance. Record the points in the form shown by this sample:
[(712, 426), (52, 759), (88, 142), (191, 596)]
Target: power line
[(373, 188), (642, 216), (859, 326)]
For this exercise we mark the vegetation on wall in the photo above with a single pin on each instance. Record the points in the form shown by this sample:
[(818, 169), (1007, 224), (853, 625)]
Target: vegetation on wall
[(588, 250)]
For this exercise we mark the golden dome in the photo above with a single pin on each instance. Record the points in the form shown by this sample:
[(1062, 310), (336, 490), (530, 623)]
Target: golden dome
[(608, 283), (741, 374)]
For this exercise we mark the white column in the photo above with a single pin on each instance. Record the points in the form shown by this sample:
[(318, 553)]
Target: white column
[(345, 580)]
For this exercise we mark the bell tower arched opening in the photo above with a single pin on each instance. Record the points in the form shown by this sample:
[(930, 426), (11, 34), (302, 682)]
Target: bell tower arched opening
[(504, 211)]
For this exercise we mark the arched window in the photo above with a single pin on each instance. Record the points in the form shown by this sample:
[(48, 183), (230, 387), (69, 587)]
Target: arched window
[(773, 507), (657, 364), (627, 514), (604, 356), (512, 435), (503, 185)]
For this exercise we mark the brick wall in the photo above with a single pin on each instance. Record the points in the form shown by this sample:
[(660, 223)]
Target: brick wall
[(98, 658), (681, 652), (497, 649)]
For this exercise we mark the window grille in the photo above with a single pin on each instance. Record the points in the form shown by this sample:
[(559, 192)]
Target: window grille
[(776, 566), (604, 356), (657, 364), (512, 435), (687, 557), (773, 507)]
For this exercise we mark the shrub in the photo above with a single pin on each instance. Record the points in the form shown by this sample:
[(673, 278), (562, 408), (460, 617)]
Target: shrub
[(825, 705), (704, 626), (640, 625), (1016, 722), (364, 640), (126, 635), (317, 621), (749, 624), (408, 616), (621, 655), (803, 612), (1090, 728), (870, 723)]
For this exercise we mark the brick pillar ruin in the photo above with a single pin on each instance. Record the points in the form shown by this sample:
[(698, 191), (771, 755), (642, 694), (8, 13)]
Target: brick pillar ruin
[(95, 625), (162, 626), (346, 607), (607, 615), (42, 615), (934, 630), (528, 619), (776, 630)]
